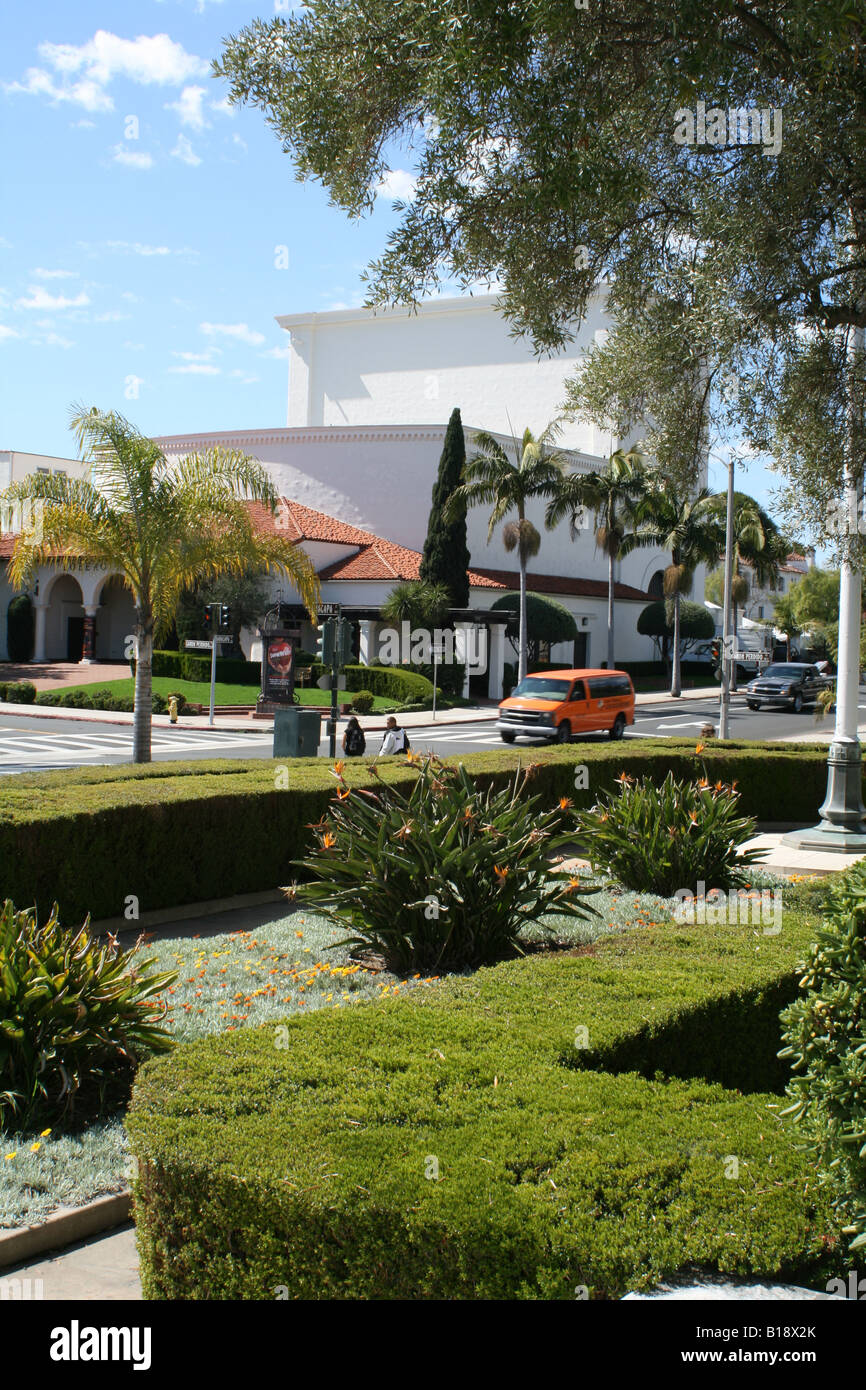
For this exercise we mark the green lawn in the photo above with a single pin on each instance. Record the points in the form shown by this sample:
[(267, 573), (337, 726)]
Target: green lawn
[(198, 692)]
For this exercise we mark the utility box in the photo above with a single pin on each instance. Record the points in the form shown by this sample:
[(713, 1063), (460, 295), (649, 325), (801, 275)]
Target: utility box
[(297, 732)]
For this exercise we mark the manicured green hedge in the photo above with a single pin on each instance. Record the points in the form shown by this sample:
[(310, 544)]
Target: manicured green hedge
[(456, 1144), (18, 692), (185, 666), (174, 833), (391, 682), (91, 698)]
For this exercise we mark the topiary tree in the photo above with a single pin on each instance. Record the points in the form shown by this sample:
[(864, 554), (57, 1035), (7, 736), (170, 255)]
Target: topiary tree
[(546, 621), (20, 628), (657, 621), (445, 559), (824, 1033)]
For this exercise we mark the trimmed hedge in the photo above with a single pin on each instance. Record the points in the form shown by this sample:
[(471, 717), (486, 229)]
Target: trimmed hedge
[(391, 682), (458, 1143), (90, 698), (185, 666), (240, 829), (18, 692)]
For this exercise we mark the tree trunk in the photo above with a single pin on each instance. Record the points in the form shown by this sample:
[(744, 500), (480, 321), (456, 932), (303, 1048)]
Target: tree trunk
[(521, 654), (610, 648), (676, 685), (143, 695)]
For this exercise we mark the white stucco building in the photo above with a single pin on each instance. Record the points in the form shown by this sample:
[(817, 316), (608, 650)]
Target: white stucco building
[(369, 398)]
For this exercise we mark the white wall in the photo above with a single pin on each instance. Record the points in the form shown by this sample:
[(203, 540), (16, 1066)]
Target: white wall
[(357, 367)]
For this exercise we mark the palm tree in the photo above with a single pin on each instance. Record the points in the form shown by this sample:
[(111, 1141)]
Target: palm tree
[(161, 525), (612, 495), (491, 476), (689, 528)]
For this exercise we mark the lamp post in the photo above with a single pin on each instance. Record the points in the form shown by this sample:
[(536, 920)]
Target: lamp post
[(725, 697), (842, 829)]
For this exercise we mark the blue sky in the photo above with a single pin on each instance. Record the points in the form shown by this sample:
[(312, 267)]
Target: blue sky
[(150, 233)]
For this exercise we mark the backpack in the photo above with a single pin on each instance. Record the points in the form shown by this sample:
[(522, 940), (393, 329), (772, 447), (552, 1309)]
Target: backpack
[(355, 742), (405, 748)]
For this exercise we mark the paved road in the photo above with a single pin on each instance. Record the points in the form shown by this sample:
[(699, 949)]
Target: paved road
[(30, 743)]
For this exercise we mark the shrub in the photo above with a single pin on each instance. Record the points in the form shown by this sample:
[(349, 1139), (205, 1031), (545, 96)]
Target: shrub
[(391, 682), (20, 692), (313, 1166), (72, 1012), (658, 839), (240, 833), (825, 1040), (20, 629), (363, 701), (188, 667), (444, 878)]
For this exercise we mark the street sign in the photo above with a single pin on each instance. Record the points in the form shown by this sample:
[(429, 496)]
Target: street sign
[(327, 610), (204, 646)]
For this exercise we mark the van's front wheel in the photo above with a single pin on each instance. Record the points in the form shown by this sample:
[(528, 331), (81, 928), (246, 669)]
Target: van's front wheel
[(617, 728), (506, 736), (563, 733)]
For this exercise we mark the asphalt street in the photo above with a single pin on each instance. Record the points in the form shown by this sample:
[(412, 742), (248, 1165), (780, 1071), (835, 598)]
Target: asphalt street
[(30, 743)]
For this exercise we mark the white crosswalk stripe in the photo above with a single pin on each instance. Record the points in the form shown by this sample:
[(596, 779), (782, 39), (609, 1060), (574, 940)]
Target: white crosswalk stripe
[(33, 748)]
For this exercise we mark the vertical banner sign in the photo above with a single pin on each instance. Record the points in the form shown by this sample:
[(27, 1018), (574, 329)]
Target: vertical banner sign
[(279, 668)]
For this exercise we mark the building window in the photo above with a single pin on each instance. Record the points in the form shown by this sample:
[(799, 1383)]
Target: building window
[(46, 471), (656, 584)]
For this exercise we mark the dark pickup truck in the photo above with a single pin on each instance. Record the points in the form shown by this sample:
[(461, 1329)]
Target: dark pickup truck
[(786, 685)]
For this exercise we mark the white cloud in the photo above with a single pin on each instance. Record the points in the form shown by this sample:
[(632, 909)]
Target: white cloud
[(39, 83), (241, 331), (83, 124), (44, 274), (131, 159), (55, 340), (183, 150), (41, 299), (134, 347), (138, 248), (6, 332), (245, 379), (198, 356), (239, 142), (223, 107), (189, 107), (397, 183), (86, 70), (110, 316), (155, 59), (281, 353), (197, 369)]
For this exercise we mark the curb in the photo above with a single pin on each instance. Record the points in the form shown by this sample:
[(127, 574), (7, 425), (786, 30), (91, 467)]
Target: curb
[(65, 1227), (164, 916)]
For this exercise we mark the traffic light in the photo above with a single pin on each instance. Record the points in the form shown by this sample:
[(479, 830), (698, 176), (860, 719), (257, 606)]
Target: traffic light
[(225, 616), (208, 618), (717, 652), (344, 643), (325, 641)]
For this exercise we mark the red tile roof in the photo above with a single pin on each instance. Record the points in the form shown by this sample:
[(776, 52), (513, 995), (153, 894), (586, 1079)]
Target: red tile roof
[(560, 584)]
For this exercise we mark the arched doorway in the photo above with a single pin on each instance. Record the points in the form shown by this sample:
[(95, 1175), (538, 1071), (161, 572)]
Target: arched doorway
[(115, 620), (64, 621), (656, 586)]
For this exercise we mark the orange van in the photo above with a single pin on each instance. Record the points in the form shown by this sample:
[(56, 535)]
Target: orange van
[(556, 704)]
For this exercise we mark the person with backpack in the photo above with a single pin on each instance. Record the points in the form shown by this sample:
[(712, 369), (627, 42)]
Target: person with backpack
[(354, 742), (395, 740)]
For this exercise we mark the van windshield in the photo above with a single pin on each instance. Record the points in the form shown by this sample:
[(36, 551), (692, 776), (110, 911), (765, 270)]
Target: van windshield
[(542, 688)]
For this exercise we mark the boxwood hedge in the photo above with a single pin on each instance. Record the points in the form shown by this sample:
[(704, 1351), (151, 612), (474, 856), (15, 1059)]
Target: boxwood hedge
[(457, 1144), (173, 833)]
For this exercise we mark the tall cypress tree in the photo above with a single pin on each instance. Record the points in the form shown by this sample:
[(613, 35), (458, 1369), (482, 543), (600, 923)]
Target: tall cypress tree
[(446, 556)]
